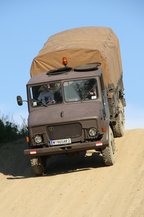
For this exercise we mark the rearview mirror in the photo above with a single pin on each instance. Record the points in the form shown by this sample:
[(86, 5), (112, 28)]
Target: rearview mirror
[(19, 100)]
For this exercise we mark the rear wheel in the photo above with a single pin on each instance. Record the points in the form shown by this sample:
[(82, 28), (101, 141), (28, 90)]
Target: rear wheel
[(118, 128), (38, 165), (108, 151)]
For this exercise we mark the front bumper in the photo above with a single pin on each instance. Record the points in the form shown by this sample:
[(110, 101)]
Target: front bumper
[(63, 149)]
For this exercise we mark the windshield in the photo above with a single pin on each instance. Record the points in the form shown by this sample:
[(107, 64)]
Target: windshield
[(80, 90), (71, 91), (46, 94)]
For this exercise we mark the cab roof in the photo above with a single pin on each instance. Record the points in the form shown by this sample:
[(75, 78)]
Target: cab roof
[(67, 73)]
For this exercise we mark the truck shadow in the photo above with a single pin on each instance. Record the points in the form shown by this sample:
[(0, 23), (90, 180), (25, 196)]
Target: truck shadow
[(73, 163), (14, 165), (56, 165)]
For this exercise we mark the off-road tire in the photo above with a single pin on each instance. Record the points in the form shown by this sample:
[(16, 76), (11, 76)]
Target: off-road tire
[(118, 128), (108, 151), (37, 166), (112, 142)]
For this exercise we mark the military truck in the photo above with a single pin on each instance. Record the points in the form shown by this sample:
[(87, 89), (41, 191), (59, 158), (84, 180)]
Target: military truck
[(75, 96)]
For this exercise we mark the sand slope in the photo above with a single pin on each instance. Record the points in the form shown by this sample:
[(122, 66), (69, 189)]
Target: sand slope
[(75, 187)]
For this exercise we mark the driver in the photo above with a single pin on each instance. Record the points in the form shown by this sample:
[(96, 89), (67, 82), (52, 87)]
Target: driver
[(46, 95)]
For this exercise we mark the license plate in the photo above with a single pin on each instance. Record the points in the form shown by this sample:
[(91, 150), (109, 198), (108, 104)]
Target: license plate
[(60, 141)]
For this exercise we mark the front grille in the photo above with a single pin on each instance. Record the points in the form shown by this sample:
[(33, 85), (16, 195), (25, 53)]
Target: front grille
[(73, 130)]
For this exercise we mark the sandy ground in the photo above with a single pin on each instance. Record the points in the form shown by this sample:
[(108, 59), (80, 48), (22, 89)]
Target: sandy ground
[(75, 187)]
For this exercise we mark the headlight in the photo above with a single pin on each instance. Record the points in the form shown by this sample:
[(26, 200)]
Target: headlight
[(38, 139), (92, 132)]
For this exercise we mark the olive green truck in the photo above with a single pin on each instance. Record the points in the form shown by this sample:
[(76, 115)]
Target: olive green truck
[(75, 96)]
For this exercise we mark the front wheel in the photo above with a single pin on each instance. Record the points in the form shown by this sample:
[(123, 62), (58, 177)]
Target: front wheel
[(38, 165), (108, 151)]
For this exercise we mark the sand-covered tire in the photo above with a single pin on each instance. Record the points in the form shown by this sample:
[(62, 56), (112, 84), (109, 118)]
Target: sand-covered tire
[(113, 142), (118, 128), (37, 166), (108, 151)]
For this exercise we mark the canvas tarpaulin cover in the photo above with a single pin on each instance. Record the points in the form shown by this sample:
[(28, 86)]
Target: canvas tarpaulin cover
[(81, 46)]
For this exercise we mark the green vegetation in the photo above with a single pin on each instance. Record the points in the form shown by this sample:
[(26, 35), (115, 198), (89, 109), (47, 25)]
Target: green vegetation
[(10, 131)]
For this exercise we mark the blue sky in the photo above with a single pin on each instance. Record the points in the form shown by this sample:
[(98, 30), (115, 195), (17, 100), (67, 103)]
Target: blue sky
[(26, 25)]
